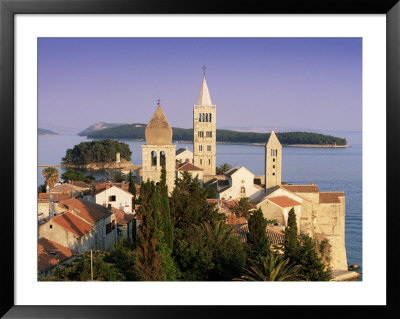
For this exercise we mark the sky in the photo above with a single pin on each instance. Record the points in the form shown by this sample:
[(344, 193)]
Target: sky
[(312, 84)]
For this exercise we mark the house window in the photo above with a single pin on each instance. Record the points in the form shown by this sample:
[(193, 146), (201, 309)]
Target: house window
[(208, 148), (112, 198), (242, 190), (51, 226), (200, 148), (108, 228)]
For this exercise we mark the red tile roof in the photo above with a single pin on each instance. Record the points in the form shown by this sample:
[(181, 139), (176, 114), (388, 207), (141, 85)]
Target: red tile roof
[(283, 201), (302, 188), (91, 212), (56, 196), (80, 184), (71, 223), (51, 253), (122, 217), (330, 197), (188, 167)]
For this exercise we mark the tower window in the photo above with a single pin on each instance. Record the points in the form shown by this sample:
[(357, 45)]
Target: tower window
[(200, 148), (208, 148), (273, 166), (200, 134), (162, 158), (203, 117), (209, 117), (273, 174), (209, 161), (273, 159), (199, 117), (201, 162), (206, 117), (153, 158), (276, 152), (209, 134)]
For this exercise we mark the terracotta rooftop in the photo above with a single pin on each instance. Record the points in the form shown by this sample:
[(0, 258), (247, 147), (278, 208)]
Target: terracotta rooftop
[(71, 223), (80, 184), (89, 211), (45, 197), (51, 253), (100, 189), (330, 197), (122, 217), (302, 188), (188, 167), (284, 201)]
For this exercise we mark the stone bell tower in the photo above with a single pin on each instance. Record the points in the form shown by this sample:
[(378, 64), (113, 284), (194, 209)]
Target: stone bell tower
[(158, 150), (204, 131), (273, 162)]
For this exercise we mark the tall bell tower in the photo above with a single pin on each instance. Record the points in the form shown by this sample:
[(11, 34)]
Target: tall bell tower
[(273, 162), (204, 131)]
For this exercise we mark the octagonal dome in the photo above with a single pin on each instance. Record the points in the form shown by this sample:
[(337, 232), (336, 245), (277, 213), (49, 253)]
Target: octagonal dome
[(158, 131)]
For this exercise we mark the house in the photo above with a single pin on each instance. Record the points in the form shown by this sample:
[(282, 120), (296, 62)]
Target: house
[(70, 188), (82, 226), (114, 196), (52, 255), (184, 155), (239, 183), (126, 225), (47, 205), (193, 170)]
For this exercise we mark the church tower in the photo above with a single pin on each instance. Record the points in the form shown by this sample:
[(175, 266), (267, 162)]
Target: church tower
[(158, 150), (273, 162), (204, 131)]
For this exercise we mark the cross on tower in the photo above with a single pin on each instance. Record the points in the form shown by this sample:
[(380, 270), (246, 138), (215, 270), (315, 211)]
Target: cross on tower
[(158, 101), (204, 70)]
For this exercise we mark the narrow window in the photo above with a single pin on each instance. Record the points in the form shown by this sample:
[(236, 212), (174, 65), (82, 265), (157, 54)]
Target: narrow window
[(273, 174), (203, 117), (199, 117), (276, 152), (209, 117), (243, 190), (208, 148), (153, 158), (200, 148), (108, 228), (273, 159), (162, 158), (51, 226), (201, 162), (209, 161), (273, 166), (206, 117)]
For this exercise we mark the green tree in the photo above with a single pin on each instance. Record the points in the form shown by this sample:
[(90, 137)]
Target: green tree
[(123, 257), (271, 267), (291, 243), (154, 261), (72, 175), (222, 169), (257, 240), (243, 208), (51, 176), (132, 187), (167, 223), (42, 188), (117, 177)]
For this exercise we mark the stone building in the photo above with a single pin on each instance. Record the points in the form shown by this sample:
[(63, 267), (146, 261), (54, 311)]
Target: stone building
[(321, 215), (204, 131), (158, 150)]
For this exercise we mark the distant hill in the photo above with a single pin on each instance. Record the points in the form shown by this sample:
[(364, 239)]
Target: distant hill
[(136, 131), (42, 131), (98, 126)]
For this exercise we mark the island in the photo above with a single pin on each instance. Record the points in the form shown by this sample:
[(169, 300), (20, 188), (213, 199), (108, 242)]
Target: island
[(98, 154), (299, 139), (42, 131)]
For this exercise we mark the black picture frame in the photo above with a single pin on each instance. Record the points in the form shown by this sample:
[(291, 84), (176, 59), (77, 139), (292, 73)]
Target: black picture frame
[(8, 8)]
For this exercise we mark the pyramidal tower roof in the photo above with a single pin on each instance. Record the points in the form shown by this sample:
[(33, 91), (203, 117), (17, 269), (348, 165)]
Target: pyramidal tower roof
[(273, 140), (158, 131), (204, 96)]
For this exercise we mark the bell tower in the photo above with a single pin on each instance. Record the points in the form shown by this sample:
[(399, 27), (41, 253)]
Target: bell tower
[(273, 162), (204, 131), (158, 150)]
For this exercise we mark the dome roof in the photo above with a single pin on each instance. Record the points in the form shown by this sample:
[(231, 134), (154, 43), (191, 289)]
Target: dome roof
[(158, 131)]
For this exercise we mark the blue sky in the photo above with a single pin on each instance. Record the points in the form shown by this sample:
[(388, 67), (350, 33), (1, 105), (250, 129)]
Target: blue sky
[(283, 83)]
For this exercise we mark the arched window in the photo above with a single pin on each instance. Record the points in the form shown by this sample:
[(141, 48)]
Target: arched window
[(206, 117), (199, 117), (162, 158), (203, 117), (209, 117), (153, 158)]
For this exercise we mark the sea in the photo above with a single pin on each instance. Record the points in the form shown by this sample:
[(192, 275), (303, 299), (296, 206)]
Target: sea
[(332, 169)]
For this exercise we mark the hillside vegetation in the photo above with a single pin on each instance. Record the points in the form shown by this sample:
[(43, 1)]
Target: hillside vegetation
[(132, 131), (96, 151)]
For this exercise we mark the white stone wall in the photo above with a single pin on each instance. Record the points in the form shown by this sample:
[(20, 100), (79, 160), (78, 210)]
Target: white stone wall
[(123, 200), (199, 175), (185, 156)]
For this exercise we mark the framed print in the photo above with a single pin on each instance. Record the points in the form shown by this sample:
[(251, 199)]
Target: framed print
[(318, 68)]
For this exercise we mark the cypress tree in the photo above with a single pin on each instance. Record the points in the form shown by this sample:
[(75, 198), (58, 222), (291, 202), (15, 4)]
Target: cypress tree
[(167, 224), (291, 244), (257, 237)]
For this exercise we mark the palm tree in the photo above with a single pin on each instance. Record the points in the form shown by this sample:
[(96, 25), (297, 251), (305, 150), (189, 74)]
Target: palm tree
[(216, 231), (242, 208), (272, 267), (51, 176), (221, 170)]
